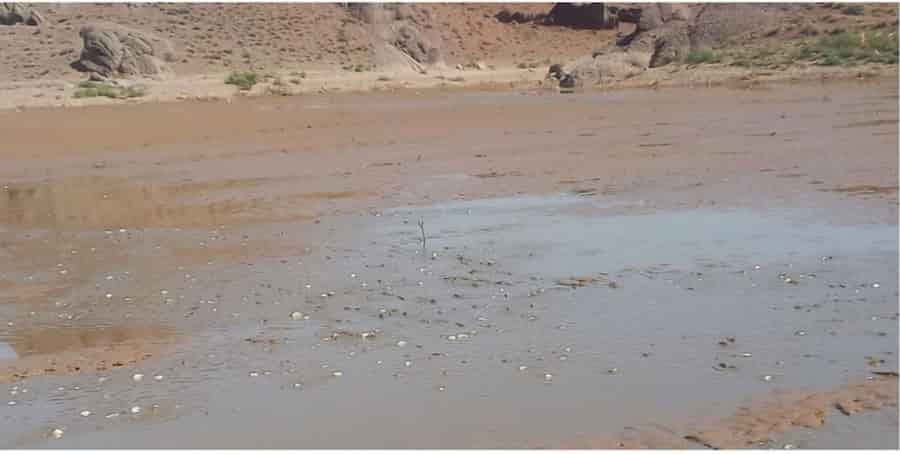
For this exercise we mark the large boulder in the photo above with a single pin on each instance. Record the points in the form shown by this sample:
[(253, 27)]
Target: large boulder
[(715, 26), (581, 15), (116, 51), (610, 64), (507, 16), (17, 13)]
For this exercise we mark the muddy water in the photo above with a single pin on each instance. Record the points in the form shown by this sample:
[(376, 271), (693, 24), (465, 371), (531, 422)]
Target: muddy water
[(263, 309)]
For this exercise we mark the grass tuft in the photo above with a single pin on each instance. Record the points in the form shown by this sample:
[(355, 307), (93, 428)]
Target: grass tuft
[(698, 56), (91, 89), (847, 48)]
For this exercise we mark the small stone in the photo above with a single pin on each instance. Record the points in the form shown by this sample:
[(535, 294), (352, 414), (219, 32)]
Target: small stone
[(11, 403), (296, 315), (767, 378), (158, 377), (747, 355), (407, 363), (548, 377), (57, 433), (254, 374), (137, 377), (112, 415), (401, 344), (85, 413), (441, 388), (337, 373), (613, 371), (523, 368), (297, 385), (876, 285), (135, 410), (799, 332)]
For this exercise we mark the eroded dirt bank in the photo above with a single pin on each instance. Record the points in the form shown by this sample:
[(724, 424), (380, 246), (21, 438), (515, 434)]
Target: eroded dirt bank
[(632, 266)]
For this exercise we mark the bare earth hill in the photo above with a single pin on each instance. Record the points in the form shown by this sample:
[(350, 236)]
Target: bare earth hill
[(298, 48)]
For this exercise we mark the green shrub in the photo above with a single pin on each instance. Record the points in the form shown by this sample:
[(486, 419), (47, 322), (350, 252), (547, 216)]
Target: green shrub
[(832, 60), (243, 80), (697, 56)]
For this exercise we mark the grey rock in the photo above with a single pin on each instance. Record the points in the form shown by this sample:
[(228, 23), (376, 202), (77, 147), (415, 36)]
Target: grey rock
[(17, 13), (112, 50)]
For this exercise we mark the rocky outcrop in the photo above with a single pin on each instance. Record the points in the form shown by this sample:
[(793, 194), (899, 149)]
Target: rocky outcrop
[(112, 50), (17, 13), (667, 33), (415, 44), (399, 35)]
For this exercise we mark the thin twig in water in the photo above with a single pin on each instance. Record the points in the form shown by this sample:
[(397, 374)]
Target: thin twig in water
[(422, 229)]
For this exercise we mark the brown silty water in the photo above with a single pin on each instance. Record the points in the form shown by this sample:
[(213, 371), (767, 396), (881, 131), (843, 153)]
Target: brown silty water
[(671, 268)]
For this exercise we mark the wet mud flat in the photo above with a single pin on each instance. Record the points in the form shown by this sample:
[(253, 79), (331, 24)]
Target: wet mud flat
[(505, 288)]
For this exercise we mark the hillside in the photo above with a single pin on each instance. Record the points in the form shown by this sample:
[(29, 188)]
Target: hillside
[(186, 51), (219, 37)]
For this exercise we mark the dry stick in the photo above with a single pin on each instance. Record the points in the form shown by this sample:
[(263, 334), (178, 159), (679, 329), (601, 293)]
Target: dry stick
[(422, 229)]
